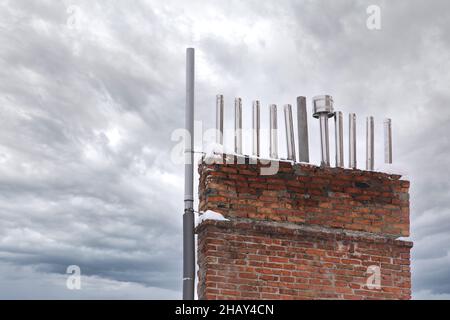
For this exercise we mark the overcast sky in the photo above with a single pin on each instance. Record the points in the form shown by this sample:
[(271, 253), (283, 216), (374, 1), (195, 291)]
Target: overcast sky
[(91, 91)]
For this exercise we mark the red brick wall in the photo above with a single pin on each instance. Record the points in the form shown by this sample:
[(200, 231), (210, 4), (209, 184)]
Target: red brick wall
[(333, 197), (244, 260), (306, 232)]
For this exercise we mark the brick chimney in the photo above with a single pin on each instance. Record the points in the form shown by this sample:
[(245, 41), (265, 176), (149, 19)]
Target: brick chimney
[(306, 232)]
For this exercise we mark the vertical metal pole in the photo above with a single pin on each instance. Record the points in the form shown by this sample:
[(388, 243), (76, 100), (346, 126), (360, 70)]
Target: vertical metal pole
[(352, 141), (188, 216), (388, 141), (290, 142), (238, 126), (273, 132), (302, 122), (369, 144), (256, 128), (323, 109), (324, 139), (219, 119), (339, 138)]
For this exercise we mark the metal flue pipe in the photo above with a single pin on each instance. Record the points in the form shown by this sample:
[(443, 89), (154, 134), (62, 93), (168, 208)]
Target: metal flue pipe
[(290, 141), (369, 144), (188, 216), (238, 126), (323, 109), (302, 123), (388, 141), (256, 128), (273, 132), (352, 141), (219, 119), (339, 138)]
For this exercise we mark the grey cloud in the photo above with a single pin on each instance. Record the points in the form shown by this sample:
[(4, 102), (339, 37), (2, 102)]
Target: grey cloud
[(19, 279), (87, 111)]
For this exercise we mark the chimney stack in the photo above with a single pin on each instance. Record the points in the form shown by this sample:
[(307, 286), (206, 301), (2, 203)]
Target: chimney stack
[(306, 232)]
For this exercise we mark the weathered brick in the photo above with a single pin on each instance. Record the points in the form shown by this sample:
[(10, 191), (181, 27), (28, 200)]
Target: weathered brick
[(282, 240)]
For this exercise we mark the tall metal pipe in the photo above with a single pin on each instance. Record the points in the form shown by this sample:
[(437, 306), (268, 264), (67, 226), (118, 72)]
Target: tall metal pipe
[(238, 126), (324, 140), (352, 141), (369, 144), (273, 132), (188, 216), (256, 128), (290, 141), (388, 141), (219, 119), (339, 138), (323, 109), (302, 123)]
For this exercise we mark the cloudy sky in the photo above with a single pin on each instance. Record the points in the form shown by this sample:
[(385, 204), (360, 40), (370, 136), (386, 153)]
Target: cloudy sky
[(91, 92)]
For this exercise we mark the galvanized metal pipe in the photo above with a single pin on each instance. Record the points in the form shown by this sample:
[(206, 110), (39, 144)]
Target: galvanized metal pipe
[(369, 144), (339, 138), (188, 216), (324, 139), (290, 141), (273, 132), (352, 140), (302, 123), (219, 119), (323, 109), (256, 128), (238, 126), (388, 141)]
